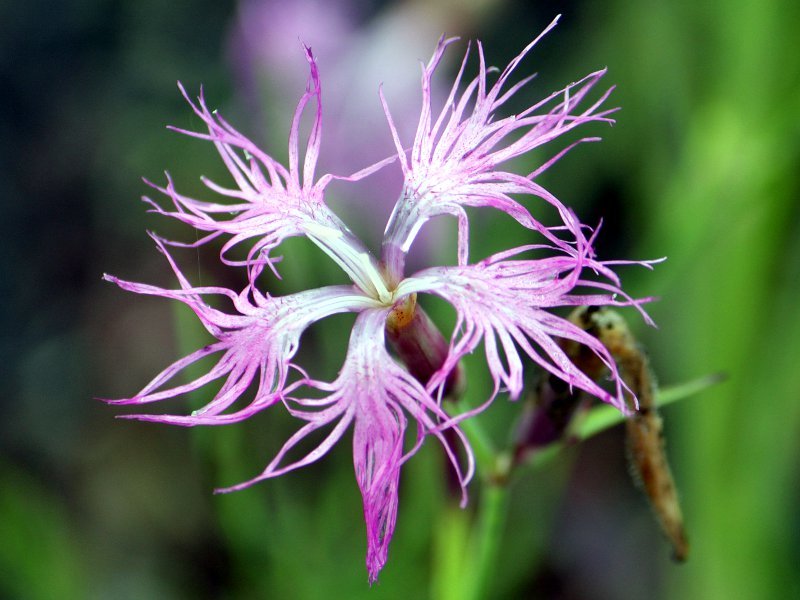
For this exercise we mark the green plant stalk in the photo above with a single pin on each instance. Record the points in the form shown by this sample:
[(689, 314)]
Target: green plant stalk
[(603, 417), (496, 469), (487, 540)]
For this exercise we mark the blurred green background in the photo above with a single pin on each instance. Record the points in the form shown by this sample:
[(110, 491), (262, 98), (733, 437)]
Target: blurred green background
[(702, 166)]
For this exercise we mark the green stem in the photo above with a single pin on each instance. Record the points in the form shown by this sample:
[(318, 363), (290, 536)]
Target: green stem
[(603, 417), (492, 513), (475, 575), (606, 416), (482, 447), (478, 567)]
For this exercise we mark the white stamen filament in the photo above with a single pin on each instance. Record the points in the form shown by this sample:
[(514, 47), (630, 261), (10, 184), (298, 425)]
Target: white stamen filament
[(355, 260)]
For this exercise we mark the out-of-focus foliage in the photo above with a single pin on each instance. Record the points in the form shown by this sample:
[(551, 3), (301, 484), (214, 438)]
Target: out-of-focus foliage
[(701, 167)]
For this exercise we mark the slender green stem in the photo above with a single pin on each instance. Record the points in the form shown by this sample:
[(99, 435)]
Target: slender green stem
[(606, 416), (603, 417), (482, 447), (479, 565), (492, 513)]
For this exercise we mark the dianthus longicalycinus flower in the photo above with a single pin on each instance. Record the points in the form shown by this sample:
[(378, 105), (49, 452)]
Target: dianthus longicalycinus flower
[(458, 159)]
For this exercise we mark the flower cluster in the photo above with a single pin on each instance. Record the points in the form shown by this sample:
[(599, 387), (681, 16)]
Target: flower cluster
[(456, 160)]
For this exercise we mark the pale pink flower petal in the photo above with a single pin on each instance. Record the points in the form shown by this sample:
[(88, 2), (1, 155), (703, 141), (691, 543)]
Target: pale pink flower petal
[(259, 341), (375, 394), (454, 160), (508, 301), (272, 203)]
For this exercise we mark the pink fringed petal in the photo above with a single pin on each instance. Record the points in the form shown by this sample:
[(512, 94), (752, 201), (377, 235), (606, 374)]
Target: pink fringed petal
[(375, 394), (270, 202), (454, 161), (502, 302), (260, 341)]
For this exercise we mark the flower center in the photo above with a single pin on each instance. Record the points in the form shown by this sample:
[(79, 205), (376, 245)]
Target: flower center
[(402, 314), (351, 255)]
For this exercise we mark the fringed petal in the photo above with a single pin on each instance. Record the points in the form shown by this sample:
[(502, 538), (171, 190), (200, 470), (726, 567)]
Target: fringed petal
[(260, 340), (454, 161), (502, 302), (375, 394), (271, 203)]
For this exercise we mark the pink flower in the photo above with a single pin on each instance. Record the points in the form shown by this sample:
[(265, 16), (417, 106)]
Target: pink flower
[(504, 301)]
